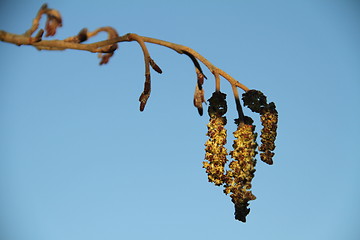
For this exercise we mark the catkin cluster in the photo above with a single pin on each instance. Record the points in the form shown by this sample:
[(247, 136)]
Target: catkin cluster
[(238, 176), (215, 151)]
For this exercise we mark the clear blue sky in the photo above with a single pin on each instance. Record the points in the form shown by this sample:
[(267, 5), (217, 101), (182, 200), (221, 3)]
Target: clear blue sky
[(79, 161)]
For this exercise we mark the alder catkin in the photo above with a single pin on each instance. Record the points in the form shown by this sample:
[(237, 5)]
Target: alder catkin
[(256, 101), (269, 120), (242, 168), (215, 150)]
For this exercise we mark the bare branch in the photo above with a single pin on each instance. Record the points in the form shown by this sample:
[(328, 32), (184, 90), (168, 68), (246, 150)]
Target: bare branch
[(147, 85), (107, 48), (97, 47)]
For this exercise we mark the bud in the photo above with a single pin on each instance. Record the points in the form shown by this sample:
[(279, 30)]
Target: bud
[(53, 21), (155, 66), (82, 35), (146, 93), (199, 99)]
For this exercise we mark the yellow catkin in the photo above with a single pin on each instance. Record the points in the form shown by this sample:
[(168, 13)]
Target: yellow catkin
[(214, 147), (269, 120), (215, 151), (241, 170)]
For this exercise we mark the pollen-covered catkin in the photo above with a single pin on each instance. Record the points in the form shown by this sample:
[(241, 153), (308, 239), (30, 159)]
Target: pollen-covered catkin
[(257, 102), (269, 120), (215, 150), (241, 170)]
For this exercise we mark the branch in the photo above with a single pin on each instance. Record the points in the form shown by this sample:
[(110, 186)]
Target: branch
[(96, 47), (106, 50), (147, 85), (237, 180), (54, 21)]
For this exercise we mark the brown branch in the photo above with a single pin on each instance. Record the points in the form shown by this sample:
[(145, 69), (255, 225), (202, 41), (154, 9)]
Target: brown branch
[(180, 49), (96, 47), (107, 48), (148, 61)]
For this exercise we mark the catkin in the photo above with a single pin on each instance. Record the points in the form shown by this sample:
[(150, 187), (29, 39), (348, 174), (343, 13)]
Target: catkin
[(257, 102), (215, 150), (269, 120), (241, 170)]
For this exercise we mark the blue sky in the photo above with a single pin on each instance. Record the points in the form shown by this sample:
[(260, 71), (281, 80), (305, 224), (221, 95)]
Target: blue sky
[(79, 161)]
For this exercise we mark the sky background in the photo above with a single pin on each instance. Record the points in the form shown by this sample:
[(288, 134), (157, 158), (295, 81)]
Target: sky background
[(79, 161)]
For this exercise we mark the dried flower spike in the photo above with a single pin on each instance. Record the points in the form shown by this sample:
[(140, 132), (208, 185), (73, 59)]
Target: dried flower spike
[(215, 151)]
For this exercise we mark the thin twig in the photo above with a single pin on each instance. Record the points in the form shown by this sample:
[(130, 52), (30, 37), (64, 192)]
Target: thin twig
[(195, 62), (36, 20), (180, 49), (147, 85), (110, 45), (238, 104), (94, 47), (217, 81)]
